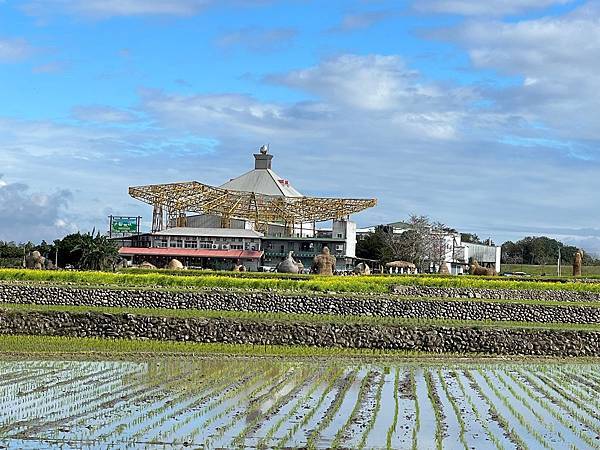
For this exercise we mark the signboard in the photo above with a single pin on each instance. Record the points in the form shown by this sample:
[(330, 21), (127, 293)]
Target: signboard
[(124, 224)]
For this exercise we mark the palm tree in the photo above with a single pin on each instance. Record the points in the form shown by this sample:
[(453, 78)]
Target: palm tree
[(97, 252)]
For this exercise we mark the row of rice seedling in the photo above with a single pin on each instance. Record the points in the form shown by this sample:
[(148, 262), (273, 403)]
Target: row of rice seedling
[(273, 404), (357, 284)]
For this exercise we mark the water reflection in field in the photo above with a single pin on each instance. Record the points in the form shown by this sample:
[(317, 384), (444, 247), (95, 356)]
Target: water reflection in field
[(276, 403)]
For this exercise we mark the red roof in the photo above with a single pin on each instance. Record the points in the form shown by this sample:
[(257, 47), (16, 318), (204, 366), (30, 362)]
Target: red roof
[(198, 253)]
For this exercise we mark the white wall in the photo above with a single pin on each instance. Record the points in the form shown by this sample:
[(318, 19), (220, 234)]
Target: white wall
[(347, 229)]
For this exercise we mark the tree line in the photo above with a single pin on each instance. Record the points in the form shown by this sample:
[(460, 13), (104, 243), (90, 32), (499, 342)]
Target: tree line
[(87, 251), (541, 250)]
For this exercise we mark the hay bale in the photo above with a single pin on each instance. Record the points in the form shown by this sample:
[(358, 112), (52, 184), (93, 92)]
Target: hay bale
[(34, 260), (476, 269), (362, 269), (289, 265), (444, 269), (146, 265), (324, 264), (175, 264), (577, 263)]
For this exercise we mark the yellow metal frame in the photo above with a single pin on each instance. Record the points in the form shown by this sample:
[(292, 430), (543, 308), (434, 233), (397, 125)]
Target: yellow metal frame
[(178, 198)]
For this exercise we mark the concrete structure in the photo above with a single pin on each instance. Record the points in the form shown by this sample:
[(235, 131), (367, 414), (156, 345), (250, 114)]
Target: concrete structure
[(259, 209)]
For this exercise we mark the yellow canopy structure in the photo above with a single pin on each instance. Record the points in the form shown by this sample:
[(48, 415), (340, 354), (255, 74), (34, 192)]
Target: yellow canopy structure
[(175, 199)]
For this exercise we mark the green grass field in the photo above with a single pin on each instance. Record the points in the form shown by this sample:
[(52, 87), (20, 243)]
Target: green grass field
[(550, 270)]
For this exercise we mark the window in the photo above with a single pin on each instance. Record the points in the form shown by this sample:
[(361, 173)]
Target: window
[(191, 244), (306, 246), (177, 243), (236, 247), (162, 243), (340, 235), (205, 244)]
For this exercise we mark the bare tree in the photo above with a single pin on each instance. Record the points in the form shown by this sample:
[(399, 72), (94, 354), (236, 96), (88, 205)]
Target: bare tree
[(423, 242)]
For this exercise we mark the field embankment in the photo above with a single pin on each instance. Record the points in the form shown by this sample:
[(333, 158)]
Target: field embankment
[(460, 315)]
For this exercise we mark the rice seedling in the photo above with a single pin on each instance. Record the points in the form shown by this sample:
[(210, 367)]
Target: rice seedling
[(513, 410), (364, 386), (455, 408), (495, 415), (437, 410), (333, 409)]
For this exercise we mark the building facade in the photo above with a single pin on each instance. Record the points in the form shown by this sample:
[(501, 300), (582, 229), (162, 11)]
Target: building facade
[(255, 219)]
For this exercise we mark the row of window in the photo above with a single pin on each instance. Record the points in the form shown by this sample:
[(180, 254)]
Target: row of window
[(180, 243)]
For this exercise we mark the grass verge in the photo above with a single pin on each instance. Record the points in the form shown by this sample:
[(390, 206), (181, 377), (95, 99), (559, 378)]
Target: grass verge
[(31, 345)]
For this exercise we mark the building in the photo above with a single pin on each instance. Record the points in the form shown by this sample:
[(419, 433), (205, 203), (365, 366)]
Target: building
[(254, 219), (210, 248), (456, 254)]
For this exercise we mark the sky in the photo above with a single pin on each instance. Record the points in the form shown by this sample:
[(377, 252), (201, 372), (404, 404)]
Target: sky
[(481, 115)]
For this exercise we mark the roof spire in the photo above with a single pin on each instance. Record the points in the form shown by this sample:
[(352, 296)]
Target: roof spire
[(262, 160)]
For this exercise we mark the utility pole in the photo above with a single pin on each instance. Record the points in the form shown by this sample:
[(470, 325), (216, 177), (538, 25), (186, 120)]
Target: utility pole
[(558, 265)]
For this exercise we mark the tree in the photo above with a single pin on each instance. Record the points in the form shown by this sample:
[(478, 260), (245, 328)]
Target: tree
[(68, 253), (373, 247), (470, 237), (97, 252), (422, 242), (540, 250)]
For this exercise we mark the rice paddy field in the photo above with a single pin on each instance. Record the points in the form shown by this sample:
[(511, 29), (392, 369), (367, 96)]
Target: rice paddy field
[(82, 391), (316, 403)]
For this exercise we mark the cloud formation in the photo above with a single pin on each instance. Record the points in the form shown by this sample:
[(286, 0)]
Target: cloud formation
[(557, 59), (362, 20), (102, 114), (114, 8), (28, 216), (104, 9), (14, 50), (257, 39), (484, 8)]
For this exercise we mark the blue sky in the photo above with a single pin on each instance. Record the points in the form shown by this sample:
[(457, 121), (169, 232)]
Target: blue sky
[(482, 115)]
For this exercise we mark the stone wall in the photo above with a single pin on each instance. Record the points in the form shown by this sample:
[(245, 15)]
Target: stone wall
[(378, 306), (428, 339), (508, 294)]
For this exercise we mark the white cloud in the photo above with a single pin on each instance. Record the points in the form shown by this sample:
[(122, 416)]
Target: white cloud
[(372, 82), (28, 216), (103, 9), (359, 21), (102, 114), (484, 7), (112, 8), (257, 39), (558, 59), (14, 49)]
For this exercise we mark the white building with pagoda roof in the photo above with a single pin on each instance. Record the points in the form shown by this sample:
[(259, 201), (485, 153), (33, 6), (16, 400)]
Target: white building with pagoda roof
[(201, 223)]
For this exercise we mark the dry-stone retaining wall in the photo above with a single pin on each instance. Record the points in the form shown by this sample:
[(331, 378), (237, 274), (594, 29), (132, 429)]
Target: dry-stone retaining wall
[(508, 294), (382, 306), (428, 339)]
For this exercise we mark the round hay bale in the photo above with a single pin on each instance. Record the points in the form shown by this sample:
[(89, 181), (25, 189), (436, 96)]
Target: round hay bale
[(174, 264)]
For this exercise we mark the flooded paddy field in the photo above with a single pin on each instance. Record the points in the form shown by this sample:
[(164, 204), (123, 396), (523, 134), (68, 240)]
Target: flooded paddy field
[(276, 403)]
